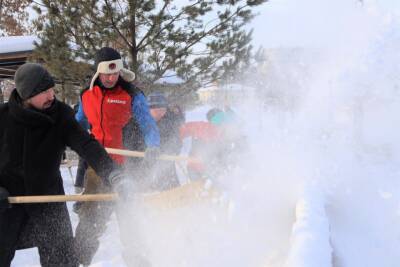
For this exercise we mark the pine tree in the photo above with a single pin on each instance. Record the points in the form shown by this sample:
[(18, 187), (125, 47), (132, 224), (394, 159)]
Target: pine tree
[(56, 53), (200, 41), (14, 17)]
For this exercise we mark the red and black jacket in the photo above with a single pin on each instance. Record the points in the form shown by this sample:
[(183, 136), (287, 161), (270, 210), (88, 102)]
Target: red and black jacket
[(118, 117)]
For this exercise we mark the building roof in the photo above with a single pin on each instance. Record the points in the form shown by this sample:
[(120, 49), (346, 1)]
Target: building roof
[(12, 44), (14, 51)]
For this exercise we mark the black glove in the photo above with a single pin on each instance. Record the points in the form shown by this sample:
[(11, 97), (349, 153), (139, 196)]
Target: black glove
[(4, 204), (122, 185), (151, 155)]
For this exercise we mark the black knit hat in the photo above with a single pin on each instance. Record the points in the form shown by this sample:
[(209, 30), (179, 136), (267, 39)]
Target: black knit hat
[(32, 79), (106, 54)]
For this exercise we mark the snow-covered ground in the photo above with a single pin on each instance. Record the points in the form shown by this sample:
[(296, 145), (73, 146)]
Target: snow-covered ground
[(361, 193)]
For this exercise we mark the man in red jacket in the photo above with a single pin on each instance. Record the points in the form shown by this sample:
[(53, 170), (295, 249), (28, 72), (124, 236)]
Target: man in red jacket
[(117, 114)]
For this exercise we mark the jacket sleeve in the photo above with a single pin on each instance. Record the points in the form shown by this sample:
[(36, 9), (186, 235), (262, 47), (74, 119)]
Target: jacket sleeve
[(88, 148), (80, 116), (146, 123)]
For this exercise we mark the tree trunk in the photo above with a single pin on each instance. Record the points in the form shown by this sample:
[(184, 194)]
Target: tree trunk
[(133, 49), (63, 91)]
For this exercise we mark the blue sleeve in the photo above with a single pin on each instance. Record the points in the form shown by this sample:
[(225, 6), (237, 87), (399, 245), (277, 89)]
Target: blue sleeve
[(147, 124), (81, 117)]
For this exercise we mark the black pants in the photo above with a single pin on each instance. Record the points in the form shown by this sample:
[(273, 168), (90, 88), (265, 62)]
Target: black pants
[(93, 219), (45, 226)]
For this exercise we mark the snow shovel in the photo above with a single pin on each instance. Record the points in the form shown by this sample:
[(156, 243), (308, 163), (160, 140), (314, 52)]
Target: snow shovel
[(139, 154), (62, 198), (186, 194), (194, 190), (199, 191)]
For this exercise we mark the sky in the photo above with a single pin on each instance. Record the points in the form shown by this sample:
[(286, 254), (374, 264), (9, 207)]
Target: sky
[(299, 23)]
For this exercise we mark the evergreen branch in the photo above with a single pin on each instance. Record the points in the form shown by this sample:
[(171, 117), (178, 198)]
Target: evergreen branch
[(207, 33), (119, 5), (115, 26), (173, 20), (153, 26)]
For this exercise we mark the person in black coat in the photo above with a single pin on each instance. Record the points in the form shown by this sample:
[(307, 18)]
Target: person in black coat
[(169, 119), (35, 128)]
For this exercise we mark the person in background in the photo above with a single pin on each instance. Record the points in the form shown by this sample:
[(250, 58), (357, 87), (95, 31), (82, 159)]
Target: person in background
[(177, 110), (233, 142), (169, 119), (215, 143), (201, 140), (35, 129), (118, 116)]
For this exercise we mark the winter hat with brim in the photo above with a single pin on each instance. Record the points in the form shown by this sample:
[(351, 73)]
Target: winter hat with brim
[(108, 61), (32, 79)]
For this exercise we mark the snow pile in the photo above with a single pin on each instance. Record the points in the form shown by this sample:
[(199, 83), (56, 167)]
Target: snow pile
[(310, 241)]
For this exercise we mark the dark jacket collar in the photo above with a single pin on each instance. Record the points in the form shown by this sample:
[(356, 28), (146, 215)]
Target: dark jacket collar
[(30, 116)]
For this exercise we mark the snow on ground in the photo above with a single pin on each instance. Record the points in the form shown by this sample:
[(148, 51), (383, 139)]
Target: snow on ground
[(365, 218), (363, 208), (239, 229), (310, 241)]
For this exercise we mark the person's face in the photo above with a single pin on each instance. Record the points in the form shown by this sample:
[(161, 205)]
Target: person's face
[(109, 80), (41, 101), (158, 113)]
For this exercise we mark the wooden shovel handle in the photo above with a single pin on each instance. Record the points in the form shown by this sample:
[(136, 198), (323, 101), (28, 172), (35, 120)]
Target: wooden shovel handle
[(140, 154), (61, 198)]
